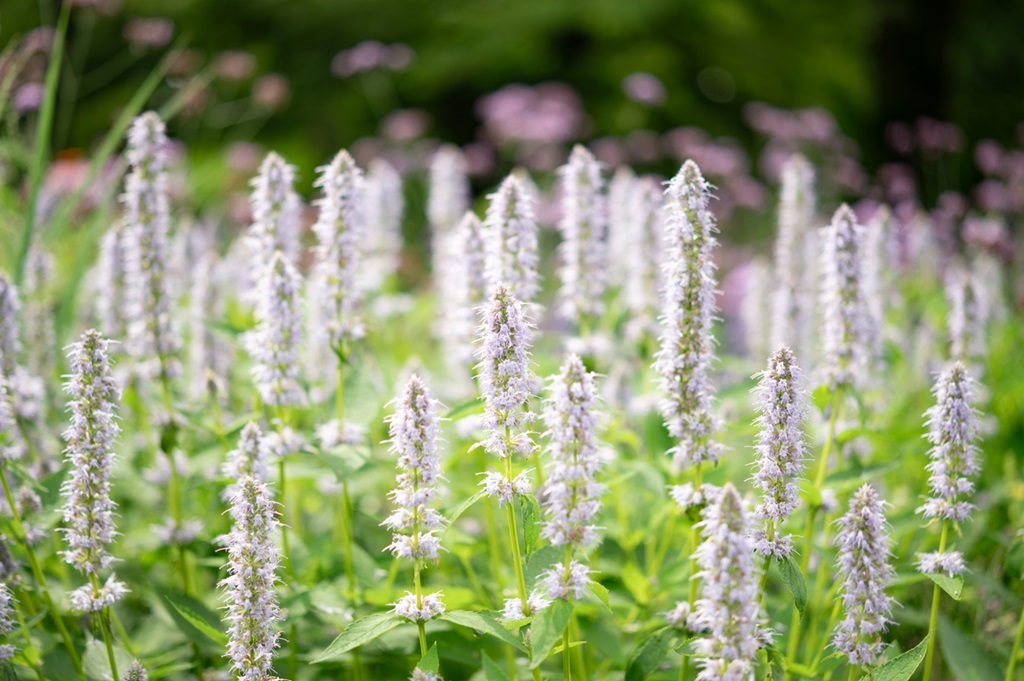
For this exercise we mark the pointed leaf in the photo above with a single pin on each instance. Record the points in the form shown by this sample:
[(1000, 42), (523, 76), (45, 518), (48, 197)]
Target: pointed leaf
[(966, 659), (462, 508), (794, 581), (195, 620), (546, 629), (601, 591), (902, 667), (954, 586), (484, 623), (492, 672), (359, 633), (776, 669), (531, 523), (430, 662), (651, 653)]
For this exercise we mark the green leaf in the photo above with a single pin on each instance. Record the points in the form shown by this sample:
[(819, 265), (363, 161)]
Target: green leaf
[(636, 582), (650, 654), (540, 561), (462, 508), (776, 670), (902, 667), (485, 623), (966, 660), (547, 628), (195, 620), (97, 665), (359, 633), (821, 396), (7, 672), (493, 672), (531, 522), (473, 406), (345, 460), (430, 662), (601, 591), (954, 586), (794, 581)]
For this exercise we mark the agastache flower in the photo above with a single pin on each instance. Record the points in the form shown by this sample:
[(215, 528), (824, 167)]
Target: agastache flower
[(112, 288), (781, 451), (275, 211), (684, 359), (967, 314), (512, 240), (274, 343), (7, 651), (792, 315), (864, 567), (952, 429), (729, 607), (250, 587), (88, 510), (621, 221), (756, 304), (505, 377), (469, 287), (571, 494), (38, 317), (643, 255), (414, 430), (10, 340), (250, 458), (876, 267), (152, 332), (385, 208), (584, 239), (846, 313), (339, 231), (447, 201), (209, 354), (135, 672)]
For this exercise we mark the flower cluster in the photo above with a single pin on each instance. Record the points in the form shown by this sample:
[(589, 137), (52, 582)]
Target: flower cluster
[(448, 200), (864, 567), (275, 212), (512, 240), (583, 227), (469, 288), (339, 232), (846, 314), (684, 359), (209, 354), (274, 343), (88, 510), (729, 607), (250, 458), (135, 672), (385, 207), (967, 314), (152, 332), (952, 428), (10, 341), (643, 255), (793, 309), (506, 380), (250, 587), (111, 282), (781, 450), (7, 651)]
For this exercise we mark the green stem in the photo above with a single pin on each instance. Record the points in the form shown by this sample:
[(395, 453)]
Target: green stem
[(104, 618), (831, 623), (513, 533), (934, 619), (30, 653), (288, 568), (339, 397), (419, 606), (566, 664), (346, 529), (37, 572), (122, 634), (1016, 647), (495, 554), (767, 562)]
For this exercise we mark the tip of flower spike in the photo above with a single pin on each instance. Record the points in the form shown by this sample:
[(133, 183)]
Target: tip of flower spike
[(470, 221), (690, 173), (844, 214), (581, 155)]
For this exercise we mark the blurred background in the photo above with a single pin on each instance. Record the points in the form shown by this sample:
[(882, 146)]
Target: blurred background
[(918, 104)]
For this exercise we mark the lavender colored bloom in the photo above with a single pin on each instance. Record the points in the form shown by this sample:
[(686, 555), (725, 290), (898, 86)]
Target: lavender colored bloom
[(275, 210), (505, 377), (757, 297), (426, 607), (469, 288), (952, 429), (792, 322), (876, 267), (567, 583), (621, 221), (584, 239), (7, 651), (385, 208), (135, 672), (420, 675), (684, 359), (10, 340), (250, 587), (729, 607), (339, 232), (781, 451), (8, 425), (274, 343), (447, 202), (250, 458), (38, 317), (571, 494), (152, 333), (846, 314), (112, 290), (512, 240), (88, 510), (643, 254), (864, 567), (414, 430), (209, 354), (967, 314)]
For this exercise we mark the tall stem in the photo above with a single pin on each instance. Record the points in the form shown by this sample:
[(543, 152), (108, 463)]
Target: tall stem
[(346, 530), (339, 396), (1016, 647), (419, 606), (104, 618), (513, 534), (37, 572), (933, 621), (767, 561), (694, 541)]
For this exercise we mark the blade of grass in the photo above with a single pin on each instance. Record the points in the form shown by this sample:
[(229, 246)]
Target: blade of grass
[(43, 132)]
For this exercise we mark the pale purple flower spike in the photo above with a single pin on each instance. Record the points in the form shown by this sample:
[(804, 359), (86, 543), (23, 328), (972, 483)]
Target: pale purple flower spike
[(584, 237), (512, 240), (274, 343), (847, 322), (863, 561)]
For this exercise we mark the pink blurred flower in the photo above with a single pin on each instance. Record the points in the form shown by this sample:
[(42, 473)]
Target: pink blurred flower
[(271, 91), (992, 196), (405, 125), (369, 55), (643, 146), (29, 97), (244, 157), (899, 137), (479, 159), (234, 65), (149, 32), (611, 151), (399, 57), (39, 39), (644, 88), (184, 62), (988, 154), (550, 113)]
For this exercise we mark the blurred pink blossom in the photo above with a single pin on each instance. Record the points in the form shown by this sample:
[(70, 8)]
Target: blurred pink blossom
[(988, 154), (899, 137), (183, 62), (644, 88), (29, 97), (405, 125), (234, 65), (479, 159), (611, 151), (549, 113), (271, 91), (149, 31), (643, 146), (369, 55), (39, 39), (244, 157), (992, 196)]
